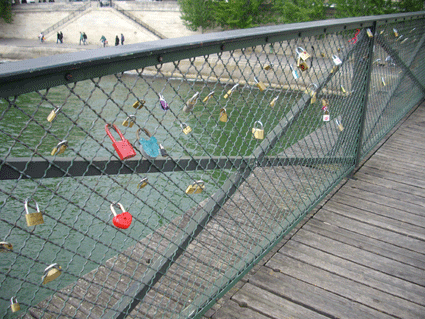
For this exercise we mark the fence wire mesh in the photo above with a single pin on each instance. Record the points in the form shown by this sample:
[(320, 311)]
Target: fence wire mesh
[(232, 149)]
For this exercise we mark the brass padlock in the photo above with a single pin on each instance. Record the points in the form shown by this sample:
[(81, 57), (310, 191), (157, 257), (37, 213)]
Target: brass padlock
[(369, 33), (342, 89), (258, 132), (395, 32), (190, 104), (5, 247), (186, 128), (268, 66), (143, 183), (33, 218), (139, 104), (60, 148), (223, 115), (273, 102), (210, 95), (302, 65), (129, 121), (339, 125), (51, 273), (302, 54), (312, 92), (53, 114), (196, 187), (325, 104), (231, 91), (260, 84), (14, 305), (383, 81)]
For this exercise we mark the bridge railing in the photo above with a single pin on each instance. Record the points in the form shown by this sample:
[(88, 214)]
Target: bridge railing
[(233, 138)]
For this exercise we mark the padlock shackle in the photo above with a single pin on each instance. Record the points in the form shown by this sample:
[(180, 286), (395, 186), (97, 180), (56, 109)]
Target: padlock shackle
[(58, 146), (113, 126), (199, 183), (261, 124), (132, 118), (26, 205), (116, 204), (234, 87), (13, 300), (55, 266), (194, 97), (315, 85), (302, 50), (144, 130), (183, 125)]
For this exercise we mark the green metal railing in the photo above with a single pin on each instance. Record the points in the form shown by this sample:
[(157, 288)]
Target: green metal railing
[(247, 135)]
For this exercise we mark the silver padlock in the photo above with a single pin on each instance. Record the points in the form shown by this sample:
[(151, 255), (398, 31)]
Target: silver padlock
[(51, 273), (337, 60), (33, 218), (190, 104), (14, 305), (312, 92), (294, 72), (5, 247), (258, 132)]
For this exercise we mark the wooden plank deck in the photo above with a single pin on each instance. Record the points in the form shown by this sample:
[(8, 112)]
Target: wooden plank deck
[(361, 252)]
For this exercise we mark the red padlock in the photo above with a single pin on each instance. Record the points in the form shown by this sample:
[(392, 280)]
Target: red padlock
[(124, 148), (122, 220)]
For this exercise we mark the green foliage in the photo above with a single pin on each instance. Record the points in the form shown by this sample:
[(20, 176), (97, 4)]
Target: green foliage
[(354, 8), (288, 11), (197, 14), (6, 10)]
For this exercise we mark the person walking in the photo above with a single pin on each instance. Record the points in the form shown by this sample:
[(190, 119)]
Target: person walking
[(41, 37), (122, 39), (58, 40), (117, 40), (84, 38), (81, 38), (103, 40), (61, 34)]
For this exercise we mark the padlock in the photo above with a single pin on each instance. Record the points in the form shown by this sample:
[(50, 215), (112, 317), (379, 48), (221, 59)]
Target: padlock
[(395, 32), (383, 81), (14, 305), (302, 54), (231, 91), (342, 89), (268, 66), (196, 187), (326, 116), (312, 92), (122, 220), (53, 114), (258, 132), (139, 104), (323, 54), (163, 151), (339, 125), (51, 273), (273, 102), (185, 128), (129, 121), (210, 95), (334, 69), (325, 104), (123, 147), (302, 65), (294, 72), (149, 148), (399, 38), (336, 60), (143, 182), (260, 84), (163, 103), (223, 115), (190, 104), (405, 39), (5, 247), (33, 218), (369, 33), (60, 148)]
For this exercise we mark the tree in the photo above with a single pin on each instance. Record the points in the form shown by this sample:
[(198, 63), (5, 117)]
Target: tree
[(288, 11), (6, 10), (354, 8), (197, 14)]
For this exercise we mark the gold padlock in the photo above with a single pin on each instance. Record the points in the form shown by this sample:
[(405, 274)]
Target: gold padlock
[(196, 187), (339, 125), (273, 102), (33, 218), (231, 91), (312, 92), (342, 89), (260, 84), (223, 115), (268, 66), (302, 65), (14, 305), (383, 81), (186, 128), (302, 54), (129, 121), (51, 273), (210, 95), (5, 247), (395, 32), (53, 114), (369, 33), (258, 132), (143, 183), (325, 103), (139, 104), (190, 104), (60, 148)]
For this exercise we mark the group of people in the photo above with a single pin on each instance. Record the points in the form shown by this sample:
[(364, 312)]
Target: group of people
[(59, 37), (117, 40), (83, 38)]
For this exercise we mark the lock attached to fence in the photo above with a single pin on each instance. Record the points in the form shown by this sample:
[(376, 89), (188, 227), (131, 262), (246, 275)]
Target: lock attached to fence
[(33, 219), (258, 130), (302, 65), (369, 33), (149, 148), (326, 115), (53, 114), (268, 66), (163, 151), (51, 273), (302, 54), (342, 89), (60, 148), (260, 84), (143, 183), (339, 125), (185, 128), (383, 81), (139, 104), (163, 103), (190, 104), (223, 115), (129, 121), (294, 72), (337, 60), (312, 91), (229, 93), (196, 187), (123, 147), (210, 95), (5, 247), (122, 220), (273, 102), (14, 305), (395, 32)]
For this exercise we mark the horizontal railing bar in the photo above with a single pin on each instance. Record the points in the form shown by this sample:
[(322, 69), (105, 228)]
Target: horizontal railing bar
[(41, 73)]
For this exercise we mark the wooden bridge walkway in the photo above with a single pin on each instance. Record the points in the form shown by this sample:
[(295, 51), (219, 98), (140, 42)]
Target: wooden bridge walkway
[(361, 252)]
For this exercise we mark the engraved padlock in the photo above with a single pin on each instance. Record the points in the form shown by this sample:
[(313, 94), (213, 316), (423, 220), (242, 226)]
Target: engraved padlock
[(185, 128), (294, 72), (139, 104), (122, 220), (51, 273), (60, 148), (33, 218), (258, 130), (273, 102), (129, 121), (229, 93), (5, 247), (302, 54), (268, 66), (53, 114), (259, 84), (190, 104), (369, 33), (210, 95), (123, 147), (326, 115), (312, 91), (339, 125), (223, 115), (337, 60), (163, 102), (143, 182), (14, 305), (302, 65), (196, 187)]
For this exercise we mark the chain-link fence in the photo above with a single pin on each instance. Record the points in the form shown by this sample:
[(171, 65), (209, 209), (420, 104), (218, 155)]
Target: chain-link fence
[(226, 141)]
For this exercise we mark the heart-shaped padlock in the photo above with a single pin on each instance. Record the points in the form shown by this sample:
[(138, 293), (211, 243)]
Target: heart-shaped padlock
[(149, 148), (122, 220)]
